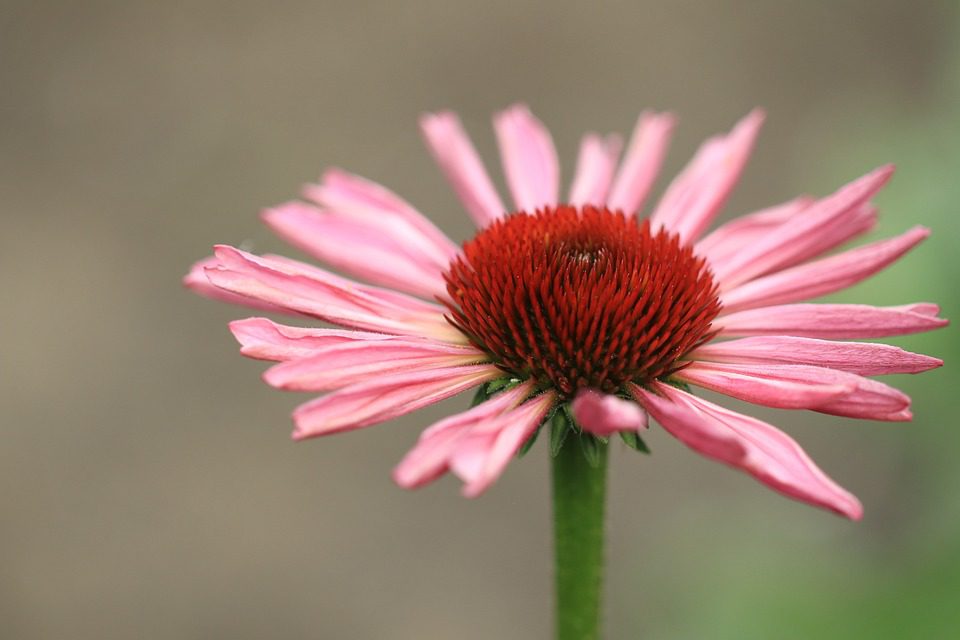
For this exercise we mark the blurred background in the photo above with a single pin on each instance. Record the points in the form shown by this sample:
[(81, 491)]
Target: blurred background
[(148, 486)]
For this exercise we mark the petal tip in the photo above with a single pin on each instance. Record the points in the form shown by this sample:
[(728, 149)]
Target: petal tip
[(332, 174), (884, 172), (301, 429), (245, 330), (272, 378), (904, 415), (474, 489), (240, 326), (853, 510), (754, 120), (271, 215), (514, 110), (403, 478), (919, 231), (664, 119), (224, 252), (197, 276), (440, 118)]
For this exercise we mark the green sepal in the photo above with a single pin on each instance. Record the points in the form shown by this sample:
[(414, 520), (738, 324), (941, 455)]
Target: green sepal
[(529, 443), (501, 384), (568, 412), (492, 388), (480, 396), (560, 428), (634, 441), (591, 449)]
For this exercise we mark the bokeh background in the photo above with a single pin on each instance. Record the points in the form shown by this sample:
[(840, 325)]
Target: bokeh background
[(148, 487)]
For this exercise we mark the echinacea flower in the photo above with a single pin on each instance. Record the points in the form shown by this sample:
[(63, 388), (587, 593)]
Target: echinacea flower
[(578, 306)]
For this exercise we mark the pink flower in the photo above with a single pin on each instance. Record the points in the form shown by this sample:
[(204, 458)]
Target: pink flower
[(576, 304)]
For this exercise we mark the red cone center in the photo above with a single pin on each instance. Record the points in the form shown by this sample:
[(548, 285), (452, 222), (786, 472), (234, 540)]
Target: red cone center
[(581, 297)]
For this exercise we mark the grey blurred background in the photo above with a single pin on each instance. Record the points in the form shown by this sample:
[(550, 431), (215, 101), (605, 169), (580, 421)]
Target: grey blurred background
[(148, 487)]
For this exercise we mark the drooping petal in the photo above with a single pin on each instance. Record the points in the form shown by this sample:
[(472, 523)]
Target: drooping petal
[(648, 148), (197, 281), (726, 240), (595, 166), (460, 163), (817, 230), (529, 158), (603, 415), (695, 197), (703, 436), (831, 321), (264, 339), (437, 444), (385, 397), (792, 386), (306, 289), (484, 452), (758, 448), (863, 358), (354, 197), (339, 365), (823, 276)]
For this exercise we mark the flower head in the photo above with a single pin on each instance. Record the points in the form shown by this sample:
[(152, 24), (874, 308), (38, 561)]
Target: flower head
[(578, 308)]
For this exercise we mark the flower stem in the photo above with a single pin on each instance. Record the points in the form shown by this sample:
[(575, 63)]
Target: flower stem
[(579, 490)]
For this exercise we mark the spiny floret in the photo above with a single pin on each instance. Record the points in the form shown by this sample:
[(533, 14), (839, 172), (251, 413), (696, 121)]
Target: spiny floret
[(581, 297)]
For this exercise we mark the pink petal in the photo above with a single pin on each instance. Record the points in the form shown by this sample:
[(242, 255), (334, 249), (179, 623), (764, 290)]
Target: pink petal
[(484, 452), (339, 365), (851, 224), (198, 282), (648, 147), (831, 321), (437, 444), (761, 450), (695, 196), (459, 161), (725, 241), (819, 228), (266, 340), (595, 165), (386, 296), (923, 308), (306, 289), (872, 400), (863, 358), (355, 197), (823, 276), (529, 158), (387, 252), (385, 397), (766, 385), (290, 266), (703, 436), (791, 386), (603, 415)]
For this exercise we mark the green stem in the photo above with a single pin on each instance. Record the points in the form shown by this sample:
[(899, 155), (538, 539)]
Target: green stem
[(579, 490)]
